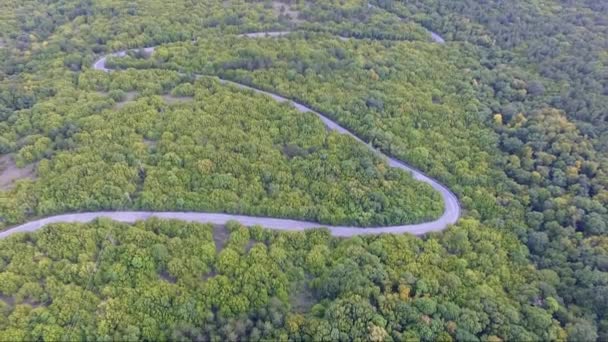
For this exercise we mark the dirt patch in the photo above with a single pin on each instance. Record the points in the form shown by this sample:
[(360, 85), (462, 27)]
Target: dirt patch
[(249, 245), (167, 277), (150, 143), (302, 298), (8, 300), (220, 237), (170, 99), (32, 303), (285, 10), (129, 97), (9, 172), (209, 275)]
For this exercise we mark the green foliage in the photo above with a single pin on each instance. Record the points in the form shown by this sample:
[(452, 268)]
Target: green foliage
[(164, 279), (510, 114), (204, 156)]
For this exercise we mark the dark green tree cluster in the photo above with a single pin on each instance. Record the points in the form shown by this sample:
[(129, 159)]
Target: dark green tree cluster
[(542, 76), (357, 20), (562, 180), (540, 58), (558, 47)]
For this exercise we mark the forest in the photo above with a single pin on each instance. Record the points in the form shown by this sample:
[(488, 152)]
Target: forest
[(510, 113), (161, 280), (205, 148)]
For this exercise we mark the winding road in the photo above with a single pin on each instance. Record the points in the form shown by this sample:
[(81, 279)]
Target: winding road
[(450, 215)]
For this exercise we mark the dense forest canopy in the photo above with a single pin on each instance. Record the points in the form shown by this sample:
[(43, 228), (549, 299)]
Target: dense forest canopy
[(172, 280), (510, 114), (205, 147)]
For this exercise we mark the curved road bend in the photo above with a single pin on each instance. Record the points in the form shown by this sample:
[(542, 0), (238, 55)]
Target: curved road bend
[(434, 36), (450, 215)]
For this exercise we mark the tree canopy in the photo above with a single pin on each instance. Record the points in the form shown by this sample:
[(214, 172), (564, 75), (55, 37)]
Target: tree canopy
[(510, 113)]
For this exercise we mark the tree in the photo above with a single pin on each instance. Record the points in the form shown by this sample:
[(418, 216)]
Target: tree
[(581, 331)]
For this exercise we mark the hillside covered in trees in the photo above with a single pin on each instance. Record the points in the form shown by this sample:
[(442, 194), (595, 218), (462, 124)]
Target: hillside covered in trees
[(510, 113), (210, 148), (171, 280)]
